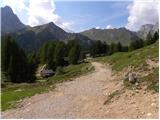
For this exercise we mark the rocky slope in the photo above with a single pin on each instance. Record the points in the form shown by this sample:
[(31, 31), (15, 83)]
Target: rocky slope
[(9, 21), (145, 29)]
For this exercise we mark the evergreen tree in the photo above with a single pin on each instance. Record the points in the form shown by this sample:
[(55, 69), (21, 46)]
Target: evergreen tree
[(99, 47), (119, 47), (82, 55), (43, 53), (50, 56), (111, 48), (93, 50), (140, 43), (74, 54), (6, 52), (132, 46), (17, 68), (156, 36), (104, 48), (59, 54), (32, 66), (148, 40), (69, 45), (96, 48)]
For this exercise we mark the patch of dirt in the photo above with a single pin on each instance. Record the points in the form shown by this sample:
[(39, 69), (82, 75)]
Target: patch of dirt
[(84, 98)]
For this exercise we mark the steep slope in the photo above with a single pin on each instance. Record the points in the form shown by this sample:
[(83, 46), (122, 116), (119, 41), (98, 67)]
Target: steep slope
[(9, 21), (111, 35), (32, 38), (145, 29)]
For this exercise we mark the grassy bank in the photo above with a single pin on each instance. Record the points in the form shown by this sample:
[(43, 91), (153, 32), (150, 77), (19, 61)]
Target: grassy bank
[(135, 58), (15, 93)]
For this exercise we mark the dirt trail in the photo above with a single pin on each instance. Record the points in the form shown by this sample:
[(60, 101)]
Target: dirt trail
[(84, 98)]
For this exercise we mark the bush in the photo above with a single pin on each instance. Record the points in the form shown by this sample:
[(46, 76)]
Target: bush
[(59, 71)]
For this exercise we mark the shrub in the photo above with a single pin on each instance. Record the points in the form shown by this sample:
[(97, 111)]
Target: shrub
[(59, 71)]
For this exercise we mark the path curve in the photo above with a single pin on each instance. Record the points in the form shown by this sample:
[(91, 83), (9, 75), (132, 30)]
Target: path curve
[(84, 97), (80, 98)]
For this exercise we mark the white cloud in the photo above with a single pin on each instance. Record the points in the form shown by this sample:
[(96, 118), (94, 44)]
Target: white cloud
[(109, 27), (43, 11), (38, 12), (142, 12), (16, 5), (97, 27)]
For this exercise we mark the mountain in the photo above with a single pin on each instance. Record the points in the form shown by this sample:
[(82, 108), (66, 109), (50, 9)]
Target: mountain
[(9, 21), (121, 35), (32, 38), (145, 29)]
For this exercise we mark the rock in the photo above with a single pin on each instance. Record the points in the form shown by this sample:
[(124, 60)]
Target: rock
[(153, 100), (144, 92), (137, 91), (131, 78), (136, 83), (107, 111), (133, 94), (153, 104), (143, 113), (133, 102), (149, 114)]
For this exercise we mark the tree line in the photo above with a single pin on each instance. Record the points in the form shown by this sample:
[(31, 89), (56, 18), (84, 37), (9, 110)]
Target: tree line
[(57, 53), (99, 48), (18, 66)]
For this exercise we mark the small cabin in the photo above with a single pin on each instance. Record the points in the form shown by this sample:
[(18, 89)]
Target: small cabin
[(43, 71), (46, 73)]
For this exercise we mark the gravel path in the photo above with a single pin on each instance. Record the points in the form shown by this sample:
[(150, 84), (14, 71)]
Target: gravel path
[(84, 97), (80, 98)]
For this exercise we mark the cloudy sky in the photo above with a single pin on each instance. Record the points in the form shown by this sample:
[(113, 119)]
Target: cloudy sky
[(81, 15)]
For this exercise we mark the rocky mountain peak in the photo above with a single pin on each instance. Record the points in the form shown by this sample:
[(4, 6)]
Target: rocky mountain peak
[(9, 21)]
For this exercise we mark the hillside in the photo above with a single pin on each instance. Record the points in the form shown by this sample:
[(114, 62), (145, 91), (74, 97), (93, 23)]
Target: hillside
[(143, 62), (135, 58), (121, 35)]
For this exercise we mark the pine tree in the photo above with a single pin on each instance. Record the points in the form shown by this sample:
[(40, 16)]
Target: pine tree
[(148, 40), (17, 69), (74, 54), (119, 47), (155, 36), (59, 54), (93, 50), (132, 46), (111, 48), (104, 48)]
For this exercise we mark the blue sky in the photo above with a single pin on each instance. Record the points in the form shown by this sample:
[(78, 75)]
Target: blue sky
[(76, 16), (86, 15)]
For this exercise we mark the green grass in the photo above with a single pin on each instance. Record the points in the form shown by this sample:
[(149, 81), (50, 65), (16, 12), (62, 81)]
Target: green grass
[(13, 93), (152, 80), (135, 58), (72, 71)]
